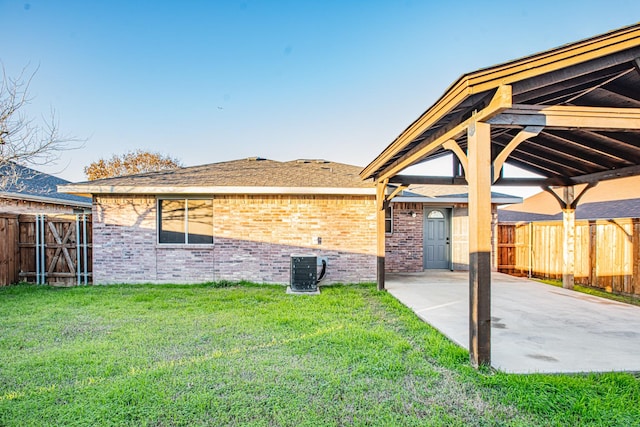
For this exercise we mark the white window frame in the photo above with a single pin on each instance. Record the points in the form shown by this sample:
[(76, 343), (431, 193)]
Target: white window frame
[(186, 221)]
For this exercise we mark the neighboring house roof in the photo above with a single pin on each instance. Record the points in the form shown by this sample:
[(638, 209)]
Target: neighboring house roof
[(23, 183), (598, 210), (253, 175), (448, 194), (617, 198)]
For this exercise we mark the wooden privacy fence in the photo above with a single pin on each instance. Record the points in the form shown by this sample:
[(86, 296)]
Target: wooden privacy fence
[(9, 250), (53, 249), (607, 252)]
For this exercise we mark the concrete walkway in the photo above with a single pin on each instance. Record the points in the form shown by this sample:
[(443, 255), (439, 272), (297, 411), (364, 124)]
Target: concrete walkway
[(535, 327)]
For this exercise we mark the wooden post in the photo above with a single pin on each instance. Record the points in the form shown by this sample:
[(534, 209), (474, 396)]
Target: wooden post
[(381, 188), (569, 239), (479, 178), (635, 256)]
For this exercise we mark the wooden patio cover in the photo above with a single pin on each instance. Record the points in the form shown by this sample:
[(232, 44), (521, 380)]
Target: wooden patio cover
[(570, 115)]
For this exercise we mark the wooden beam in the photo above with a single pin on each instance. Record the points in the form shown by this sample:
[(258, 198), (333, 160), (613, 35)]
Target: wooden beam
[(523, 135), (530, 166), (569, 117), (591, 142), (522, 182), (574, 63), (582, 57), (582, 161), (445, 180), (622, 146), (426, 180), (545, 162), (594, 87), (528, 73), (381, 189), (446, 105), (576, 199), (606, 175), (559, 199), (452, 145), (411, 158), (415, 129), (528, 182), (626, 97), (479, 177), (568, 202), (500, 102), (395, 192), (531, 92), (458, 115)]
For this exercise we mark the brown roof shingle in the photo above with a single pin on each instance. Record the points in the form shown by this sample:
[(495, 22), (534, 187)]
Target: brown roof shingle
[(250, 172)]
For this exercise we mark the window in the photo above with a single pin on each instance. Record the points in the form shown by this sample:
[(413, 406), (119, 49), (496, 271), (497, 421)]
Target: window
[(435, 215), (388, 220), (185, 221)]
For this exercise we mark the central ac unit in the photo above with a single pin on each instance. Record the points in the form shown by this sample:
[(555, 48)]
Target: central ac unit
[(304, 273)]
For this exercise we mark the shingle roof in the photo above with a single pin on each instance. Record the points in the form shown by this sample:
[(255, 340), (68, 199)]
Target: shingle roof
[(21, 182), (251, 172), (261, 174)]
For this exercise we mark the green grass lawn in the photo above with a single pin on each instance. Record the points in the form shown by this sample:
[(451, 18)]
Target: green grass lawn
[(252, 355)]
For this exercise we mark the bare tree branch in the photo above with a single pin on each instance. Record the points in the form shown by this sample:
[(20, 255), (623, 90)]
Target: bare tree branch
[(23, 140)]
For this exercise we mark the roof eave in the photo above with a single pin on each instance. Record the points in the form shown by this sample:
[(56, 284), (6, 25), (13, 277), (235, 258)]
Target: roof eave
[(137, 190), (41, 199)]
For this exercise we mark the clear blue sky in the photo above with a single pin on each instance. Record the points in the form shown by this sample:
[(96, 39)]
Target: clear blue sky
[(209, 81)]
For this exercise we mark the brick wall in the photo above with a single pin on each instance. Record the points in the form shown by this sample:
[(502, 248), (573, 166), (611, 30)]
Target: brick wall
[(404, 245), (254, 237), (124, 239)]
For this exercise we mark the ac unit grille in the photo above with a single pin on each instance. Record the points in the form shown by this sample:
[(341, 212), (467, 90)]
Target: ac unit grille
[(304, 273)]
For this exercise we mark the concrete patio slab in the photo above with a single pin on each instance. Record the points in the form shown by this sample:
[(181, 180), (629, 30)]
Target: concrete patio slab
[(535, 327)]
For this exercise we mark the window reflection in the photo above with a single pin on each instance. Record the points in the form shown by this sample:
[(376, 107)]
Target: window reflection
[(200, 223), (183, 221)]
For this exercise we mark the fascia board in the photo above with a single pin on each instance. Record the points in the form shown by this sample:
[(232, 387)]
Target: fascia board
[(40, 199), (123, 189)]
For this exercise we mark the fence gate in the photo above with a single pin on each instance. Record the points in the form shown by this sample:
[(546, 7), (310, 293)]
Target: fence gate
[(55, 249)]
